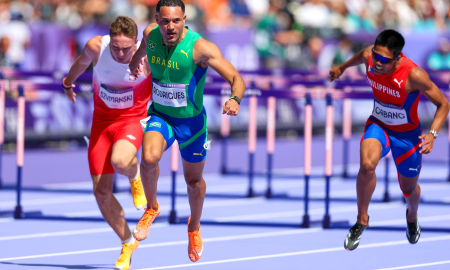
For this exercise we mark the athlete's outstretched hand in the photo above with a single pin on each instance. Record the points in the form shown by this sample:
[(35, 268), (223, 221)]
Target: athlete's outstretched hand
[(136, 68), (231, 107), (427, 144), (70, 94), (335, 73)]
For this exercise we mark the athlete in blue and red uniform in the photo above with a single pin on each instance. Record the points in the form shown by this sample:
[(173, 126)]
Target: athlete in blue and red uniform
[(394, 125)]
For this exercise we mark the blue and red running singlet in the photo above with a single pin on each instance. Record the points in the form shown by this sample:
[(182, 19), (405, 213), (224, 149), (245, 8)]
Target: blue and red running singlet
[(394, 121)]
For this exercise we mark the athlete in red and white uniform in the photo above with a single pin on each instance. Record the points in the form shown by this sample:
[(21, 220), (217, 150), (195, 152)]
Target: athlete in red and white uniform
[(120, 102), (394, 125)]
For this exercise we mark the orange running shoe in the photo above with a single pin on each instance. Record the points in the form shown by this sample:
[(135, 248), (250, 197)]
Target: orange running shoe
[(143, 227), (195, 246), (124, 261)]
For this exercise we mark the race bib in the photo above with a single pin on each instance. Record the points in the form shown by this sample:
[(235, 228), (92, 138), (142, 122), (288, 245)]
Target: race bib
[(389, 114), (169, 94), (117, 99)]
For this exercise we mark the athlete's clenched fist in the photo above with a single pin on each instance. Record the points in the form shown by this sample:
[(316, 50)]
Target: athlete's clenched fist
[(231, 107)]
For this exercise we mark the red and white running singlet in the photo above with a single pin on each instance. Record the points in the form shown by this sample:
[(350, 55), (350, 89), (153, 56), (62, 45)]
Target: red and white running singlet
[(117, 93), (120, 101), (393, 106)]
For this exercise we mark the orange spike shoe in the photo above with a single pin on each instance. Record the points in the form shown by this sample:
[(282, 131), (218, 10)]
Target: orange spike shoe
[(195, 246), (143, 227)]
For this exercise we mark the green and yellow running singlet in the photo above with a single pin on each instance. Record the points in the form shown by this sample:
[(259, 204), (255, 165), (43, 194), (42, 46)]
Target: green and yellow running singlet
[(178, 82)]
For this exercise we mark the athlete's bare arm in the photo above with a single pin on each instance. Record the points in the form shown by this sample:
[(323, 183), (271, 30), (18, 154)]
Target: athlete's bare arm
[(362, 57), (418, 79), (90, 54), (205, 54), (141, 51)]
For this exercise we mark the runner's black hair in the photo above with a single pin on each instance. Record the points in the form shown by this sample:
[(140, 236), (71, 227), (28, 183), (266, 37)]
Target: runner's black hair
[(169, 3), (391, 39)]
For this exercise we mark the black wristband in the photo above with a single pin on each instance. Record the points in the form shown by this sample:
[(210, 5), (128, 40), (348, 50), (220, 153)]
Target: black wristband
[(238, 100)]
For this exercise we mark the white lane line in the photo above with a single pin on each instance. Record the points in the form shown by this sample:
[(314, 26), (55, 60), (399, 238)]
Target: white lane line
[(174, 243), (403, 221), (75, 232), (416, 265), (317, 211), (122, 182), (3, 220), (181, 206), (59, 200), (384, 244)]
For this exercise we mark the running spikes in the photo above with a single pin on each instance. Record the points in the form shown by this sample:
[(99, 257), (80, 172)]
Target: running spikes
[(143, 227), (195, 246), (354, 236), (124, 261), (137, 190), (413, 230)]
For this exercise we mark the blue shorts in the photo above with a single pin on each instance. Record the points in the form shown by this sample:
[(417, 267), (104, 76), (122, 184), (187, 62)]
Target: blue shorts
[(191, 133), (404, 145)]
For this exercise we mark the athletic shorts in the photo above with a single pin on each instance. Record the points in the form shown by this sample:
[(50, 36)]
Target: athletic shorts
[(104, 135), (191, 134), (404, 145)]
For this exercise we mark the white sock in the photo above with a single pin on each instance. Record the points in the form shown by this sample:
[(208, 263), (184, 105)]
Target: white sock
[(129, 240), (137, 175)]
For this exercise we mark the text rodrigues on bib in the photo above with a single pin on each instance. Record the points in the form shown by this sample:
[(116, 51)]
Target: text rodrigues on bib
[(169, 94)]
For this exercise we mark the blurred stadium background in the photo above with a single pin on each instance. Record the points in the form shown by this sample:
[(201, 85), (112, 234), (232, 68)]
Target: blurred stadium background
[(312, 35), (286, 45), (43, 37)]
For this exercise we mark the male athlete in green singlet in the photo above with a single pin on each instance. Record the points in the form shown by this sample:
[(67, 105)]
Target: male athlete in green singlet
[(179, 59)]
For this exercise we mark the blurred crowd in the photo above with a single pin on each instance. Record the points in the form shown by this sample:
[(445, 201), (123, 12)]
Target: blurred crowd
[(288, 33)]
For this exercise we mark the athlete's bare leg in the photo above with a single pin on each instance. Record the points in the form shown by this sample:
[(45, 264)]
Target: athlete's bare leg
[(409, 185), (109, 206), (196, 188), (123, 158), (153, 147), (366, 181)]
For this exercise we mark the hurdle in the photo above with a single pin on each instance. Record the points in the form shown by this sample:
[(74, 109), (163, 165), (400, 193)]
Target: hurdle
[(271, 134), (18, 211), (281, 93), (307, 161), (346, 131), (174, 168), (326, 222), (253, 104)]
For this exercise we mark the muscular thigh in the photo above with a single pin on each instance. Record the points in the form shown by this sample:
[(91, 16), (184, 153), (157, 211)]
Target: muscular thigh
[(100, 149), (127, 140), (192, 135), (375, 142), (406, 152), (158, 135), (193, 171)]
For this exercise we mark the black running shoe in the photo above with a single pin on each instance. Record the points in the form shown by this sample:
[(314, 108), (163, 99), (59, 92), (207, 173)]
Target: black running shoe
[(413, 230), (353, 237)]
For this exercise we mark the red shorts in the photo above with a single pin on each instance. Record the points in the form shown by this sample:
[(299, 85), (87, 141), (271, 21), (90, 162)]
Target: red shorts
[(104, 135)]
